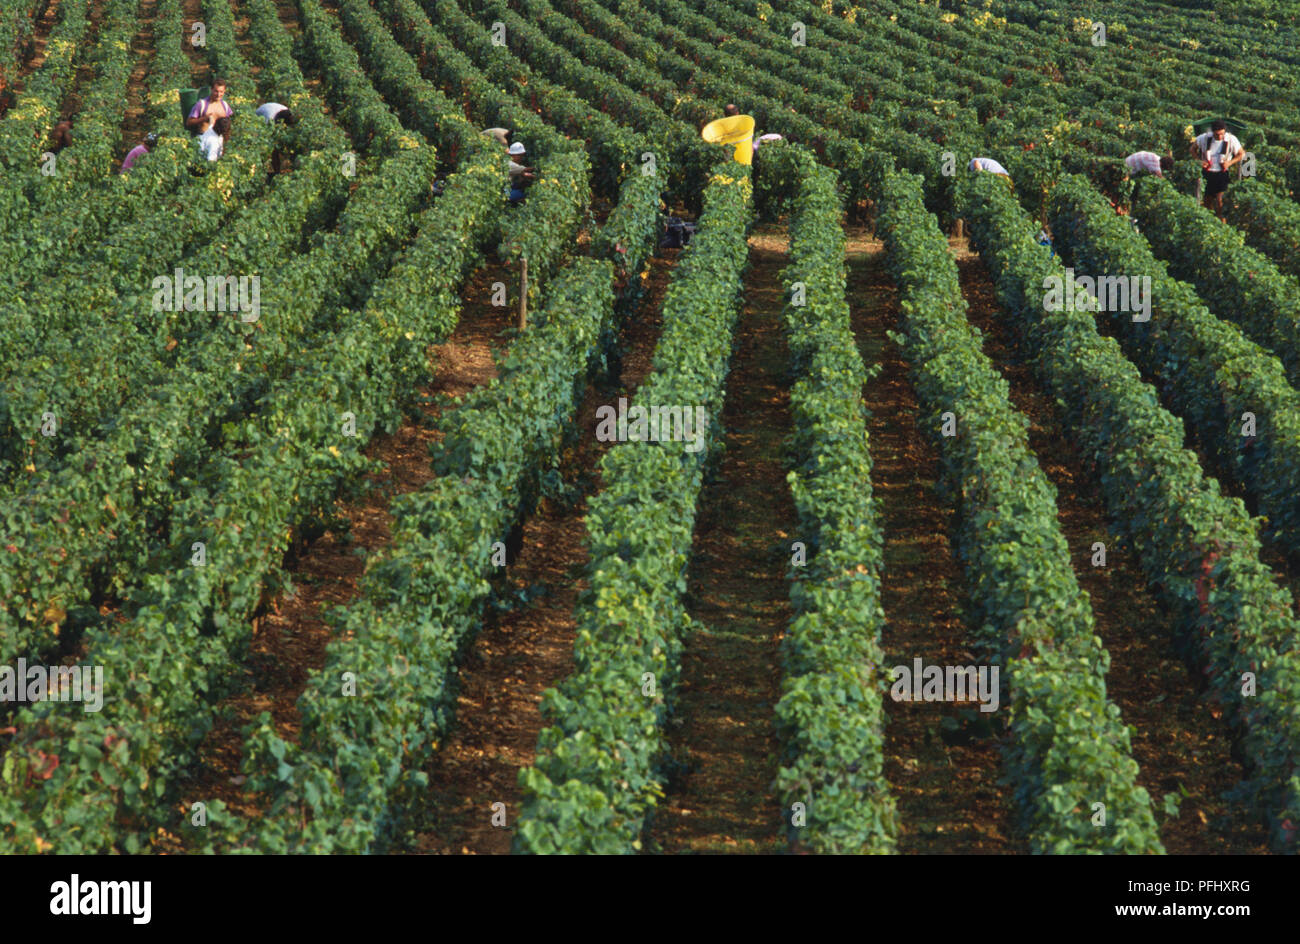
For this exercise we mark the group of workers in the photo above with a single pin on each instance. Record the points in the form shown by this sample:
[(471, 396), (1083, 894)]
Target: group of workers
[(209, 122), (1217, 149)]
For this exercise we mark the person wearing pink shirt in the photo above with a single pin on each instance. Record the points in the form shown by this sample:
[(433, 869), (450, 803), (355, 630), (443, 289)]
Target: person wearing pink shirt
[(137, 152)]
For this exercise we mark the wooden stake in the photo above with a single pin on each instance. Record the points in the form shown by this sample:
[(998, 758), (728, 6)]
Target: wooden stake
[(523, 293)]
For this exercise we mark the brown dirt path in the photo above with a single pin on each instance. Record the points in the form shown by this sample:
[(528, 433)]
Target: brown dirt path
[(1177, 741), (200, 70), (290, 640), (86, 70), (723, 731), (288, 16), (43, 13), (288, 13), (134, 121), (520, 653), (29, 57), (243, 42), (949, 798), (69, 105)]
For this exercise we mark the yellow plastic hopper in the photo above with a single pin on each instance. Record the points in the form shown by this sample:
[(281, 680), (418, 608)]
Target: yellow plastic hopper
[(737, 130)]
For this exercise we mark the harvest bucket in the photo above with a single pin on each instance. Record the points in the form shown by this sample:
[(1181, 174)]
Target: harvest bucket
[(188, 98), (737, 130), (1239, 128)]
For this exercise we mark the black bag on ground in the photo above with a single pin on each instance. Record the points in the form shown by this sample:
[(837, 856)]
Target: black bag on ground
[(678, 234)]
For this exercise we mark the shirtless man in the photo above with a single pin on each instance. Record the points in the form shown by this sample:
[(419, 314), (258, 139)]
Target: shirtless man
[(214, 106)]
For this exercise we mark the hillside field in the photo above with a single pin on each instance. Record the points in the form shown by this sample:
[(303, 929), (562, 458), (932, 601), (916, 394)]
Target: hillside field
[(736, 463)]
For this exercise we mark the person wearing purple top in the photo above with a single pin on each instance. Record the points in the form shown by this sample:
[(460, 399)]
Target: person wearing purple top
[(137, 152), (214, 106), (987, 164)]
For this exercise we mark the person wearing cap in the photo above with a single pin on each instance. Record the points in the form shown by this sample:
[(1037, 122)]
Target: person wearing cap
[(137, 152), (731, 111), (521, 175), (500, 135)]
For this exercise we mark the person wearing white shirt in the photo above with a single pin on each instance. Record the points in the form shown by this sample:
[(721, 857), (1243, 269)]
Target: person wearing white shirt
[(274, 111), (1219, 152), (212, 142), (521, 175), (990, 166), (987, 164), (1148, 162)]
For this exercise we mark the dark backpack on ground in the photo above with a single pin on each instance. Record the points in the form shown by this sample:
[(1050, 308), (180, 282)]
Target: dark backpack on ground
[(678, 234)]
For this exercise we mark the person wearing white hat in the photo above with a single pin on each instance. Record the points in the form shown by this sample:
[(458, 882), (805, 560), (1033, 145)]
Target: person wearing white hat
[(139, 151), (521, 175)]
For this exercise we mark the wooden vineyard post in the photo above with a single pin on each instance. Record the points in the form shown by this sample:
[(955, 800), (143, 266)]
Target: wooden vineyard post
[(523, 292)]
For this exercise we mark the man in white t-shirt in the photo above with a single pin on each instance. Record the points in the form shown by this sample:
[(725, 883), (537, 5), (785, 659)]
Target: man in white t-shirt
[(1218, 152), (1148, 162), (274, 111)]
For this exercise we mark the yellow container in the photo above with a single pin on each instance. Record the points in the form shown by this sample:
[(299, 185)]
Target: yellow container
[(737, 130)]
